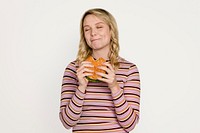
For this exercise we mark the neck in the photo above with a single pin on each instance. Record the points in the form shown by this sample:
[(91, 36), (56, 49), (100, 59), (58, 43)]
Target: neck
[(100, 53)]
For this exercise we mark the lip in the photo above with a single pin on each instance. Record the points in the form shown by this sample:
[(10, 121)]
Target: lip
[(92, 40)]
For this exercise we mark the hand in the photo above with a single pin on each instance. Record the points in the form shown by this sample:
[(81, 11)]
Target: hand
[(109, 77), (82, 72)]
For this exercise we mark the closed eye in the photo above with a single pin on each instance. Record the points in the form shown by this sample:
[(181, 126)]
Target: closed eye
[(99, 27), (86, 29)]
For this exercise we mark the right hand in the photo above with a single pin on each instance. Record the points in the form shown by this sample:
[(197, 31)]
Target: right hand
[(82, 72)]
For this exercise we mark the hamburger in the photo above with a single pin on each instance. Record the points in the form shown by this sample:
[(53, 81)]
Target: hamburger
[(96, 64)]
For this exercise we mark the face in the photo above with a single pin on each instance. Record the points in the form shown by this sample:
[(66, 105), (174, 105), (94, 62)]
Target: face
[(96, 32)]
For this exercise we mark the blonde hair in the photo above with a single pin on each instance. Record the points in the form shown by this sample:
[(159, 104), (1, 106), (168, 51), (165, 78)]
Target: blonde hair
[(85, 51)]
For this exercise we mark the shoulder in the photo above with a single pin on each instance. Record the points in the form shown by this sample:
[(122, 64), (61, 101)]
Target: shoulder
[(127, 68), (123, 63), (73, 65)]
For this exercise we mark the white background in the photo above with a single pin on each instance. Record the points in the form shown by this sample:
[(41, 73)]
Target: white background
[(38, 38)]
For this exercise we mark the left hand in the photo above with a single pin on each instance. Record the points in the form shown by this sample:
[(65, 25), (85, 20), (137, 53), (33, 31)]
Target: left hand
[(109, 77)]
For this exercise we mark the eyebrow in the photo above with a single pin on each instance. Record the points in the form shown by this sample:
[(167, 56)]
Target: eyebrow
[(95, 24)]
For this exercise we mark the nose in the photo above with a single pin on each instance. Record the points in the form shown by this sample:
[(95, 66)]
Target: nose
[(93, 32)]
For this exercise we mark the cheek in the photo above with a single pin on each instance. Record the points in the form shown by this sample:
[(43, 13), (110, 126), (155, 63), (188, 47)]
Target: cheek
[(108, 37), (87, 37)]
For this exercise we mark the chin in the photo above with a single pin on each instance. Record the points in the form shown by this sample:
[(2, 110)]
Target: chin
[(97, 47)]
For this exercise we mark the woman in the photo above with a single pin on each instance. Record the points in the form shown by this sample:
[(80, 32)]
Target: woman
[(111, 105)]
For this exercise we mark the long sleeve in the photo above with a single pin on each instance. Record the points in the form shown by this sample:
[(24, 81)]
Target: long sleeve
[(127, 100), (71, 98)]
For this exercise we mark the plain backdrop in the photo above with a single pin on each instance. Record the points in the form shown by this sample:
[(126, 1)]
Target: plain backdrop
[(38, 38)]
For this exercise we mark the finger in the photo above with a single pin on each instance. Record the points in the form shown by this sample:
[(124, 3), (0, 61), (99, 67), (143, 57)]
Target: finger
[(102, 75), (107, 69), (87, 74), (82, 75), (84, 70), (104, 68), (103, 79), (86, 62), (109, 66), (84, 66)]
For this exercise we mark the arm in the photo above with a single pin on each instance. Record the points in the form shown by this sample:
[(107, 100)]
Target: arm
[(127, 100), (71, 98)]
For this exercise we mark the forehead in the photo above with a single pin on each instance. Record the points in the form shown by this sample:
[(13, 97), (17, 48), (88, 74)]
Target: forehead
[(92, 19)]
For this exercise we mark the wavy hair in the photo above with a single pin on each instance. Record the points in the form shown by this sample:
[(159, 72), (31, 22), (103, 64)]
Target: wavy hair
[(85, 51)]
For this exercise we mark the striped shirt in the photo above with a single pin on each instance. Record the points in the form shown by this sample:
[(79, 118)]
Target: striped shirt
[(98, 110)]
